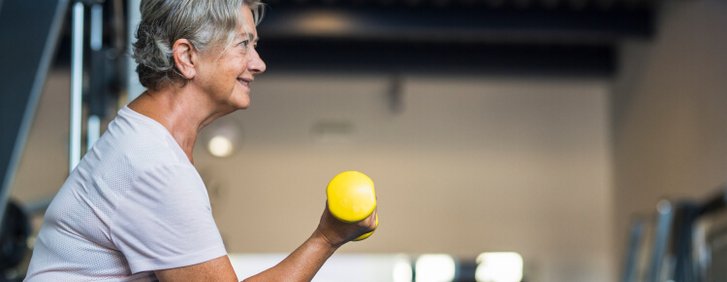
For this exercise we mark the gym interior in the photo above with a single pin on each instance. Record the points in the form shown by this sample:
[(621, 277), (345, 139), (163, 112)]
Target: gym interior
[(508, 140)]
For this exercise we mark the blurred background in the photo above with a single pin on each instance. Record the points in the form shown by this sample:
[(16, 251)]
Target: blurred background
[(509, 140)]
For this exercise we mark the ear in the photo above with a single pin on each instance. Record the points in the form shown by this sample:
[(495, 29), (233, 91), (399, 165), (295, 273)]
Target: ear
[(185, 58)]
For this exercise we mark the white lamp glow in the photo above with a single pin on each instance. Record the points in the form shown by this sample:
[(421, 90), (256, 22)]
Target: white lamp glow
[(499, 267), (220, 146), (402, 270), (435, 268)]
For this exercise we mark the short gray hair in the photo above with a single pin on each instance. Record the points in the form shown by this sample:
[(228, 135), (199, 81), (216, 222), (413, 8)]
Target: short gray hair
[(165, 21)]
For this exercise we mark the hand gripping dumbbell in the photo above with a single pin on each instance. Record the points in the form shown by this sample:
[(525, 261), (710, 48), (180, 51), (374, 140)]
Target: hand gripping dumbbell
[(352, 198)]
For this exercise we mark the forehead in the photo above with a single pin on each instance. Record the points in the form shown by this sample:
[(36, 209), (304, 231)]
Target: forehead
[(246, 24)]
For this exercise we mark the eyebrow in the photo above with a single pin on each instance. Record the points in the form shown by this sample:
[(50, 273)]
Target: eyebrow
[(251, 36)]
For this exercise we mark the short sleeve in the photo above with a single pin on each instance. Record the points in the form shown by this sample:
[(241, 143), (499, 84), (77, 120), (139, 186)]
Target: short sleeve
[(165, 221)]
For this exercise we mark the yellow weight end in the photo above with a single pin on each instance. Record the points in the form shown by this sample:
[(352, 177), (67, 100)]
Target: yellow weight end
[(366, 235), (351, 196)]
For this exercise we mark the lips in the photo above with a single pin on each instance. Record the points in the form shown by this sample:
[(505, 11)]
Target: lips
[(244, 81)]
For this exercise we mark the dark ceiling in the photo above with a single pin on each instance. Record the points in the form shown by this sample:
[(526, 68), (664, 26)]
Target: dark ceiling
[(558, 37), (543, 37)]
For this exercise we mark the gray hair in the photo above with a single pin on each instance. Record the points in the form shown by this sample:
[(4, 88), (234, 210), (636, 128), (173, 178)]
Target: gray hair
[(163, 22)]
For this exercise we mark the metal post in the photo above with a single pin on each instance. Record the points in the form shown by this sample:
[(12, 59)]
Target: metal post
[(96, 26), (665, 213), (133, 86), (74, 152), (632, 252), (93, 125)]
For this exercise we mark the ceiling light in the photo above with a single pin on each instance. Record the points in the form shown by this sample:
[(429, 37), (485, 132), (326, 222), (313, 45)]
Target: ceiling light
[(220, 146)]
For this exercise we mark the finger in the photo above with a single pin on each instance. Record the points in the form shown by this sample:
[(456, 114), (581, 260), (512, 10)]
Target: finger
[(372, 222)]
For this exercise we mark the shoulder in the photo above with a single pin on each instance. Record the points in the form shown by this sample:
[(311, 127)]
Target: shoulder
[(142, 142), (168, 176), (138, 156)]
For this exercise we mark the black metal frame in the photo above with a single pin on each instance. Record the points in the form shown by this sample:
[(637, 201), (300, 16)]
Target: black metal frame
[(26, 61), (716, 204), (674, 239)]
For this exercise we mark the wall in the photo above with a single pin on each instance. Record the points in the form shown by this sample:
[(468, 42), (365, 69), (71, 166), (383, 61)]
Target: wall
[(467, 165), (44, 164), (669, 104)]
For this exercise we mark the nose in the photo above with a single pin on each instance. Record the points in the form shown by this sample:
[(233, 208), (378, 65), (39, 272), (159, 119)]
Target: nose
[(256, 65)]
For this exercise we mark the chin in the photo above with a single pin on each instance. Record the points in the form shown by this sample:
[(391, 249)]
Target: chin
[(243, 103), (239, 102), (235, 107)]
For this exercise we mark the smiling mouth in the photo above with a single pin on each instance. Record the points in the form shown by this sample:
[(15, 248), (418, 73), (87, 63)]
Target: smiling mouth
[(244, 82)]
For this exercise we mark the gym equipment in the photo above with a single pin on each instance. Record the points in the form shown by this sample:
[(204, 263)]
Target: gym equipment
[(637, 245), (684, 241), (13, 237), (30, 30), (352, 198), (708, 249), (103, 82), (659, 251)]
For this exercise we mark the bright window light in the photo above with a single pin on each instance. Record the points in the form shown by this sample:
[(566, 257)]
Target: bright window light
[(402, 270), (435, 268), (220, 146), (499, 267), (340, 267)]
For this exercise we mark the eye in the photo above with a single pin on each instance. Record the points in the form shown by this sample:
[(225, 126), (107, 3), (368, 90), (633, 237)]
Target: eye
[(244, 43)]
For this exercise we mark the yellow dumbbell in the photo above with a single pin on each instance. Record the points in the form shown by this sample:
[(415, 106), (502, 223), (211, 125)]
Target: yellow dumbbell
[(352, 198)]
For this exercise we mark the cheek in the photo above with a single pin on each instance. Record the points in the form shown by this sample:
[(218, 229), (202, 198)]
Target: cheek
[(242, 65), (235, 70)]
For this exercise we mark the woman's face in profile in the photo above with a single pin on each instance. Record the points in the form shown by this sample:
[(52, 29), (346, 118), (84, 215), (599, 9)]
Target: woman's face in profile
[(226, 72)]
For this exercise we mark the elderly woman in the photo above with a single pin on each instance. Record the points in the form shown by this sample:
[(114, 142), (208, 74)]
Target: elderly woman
[(135, 208)]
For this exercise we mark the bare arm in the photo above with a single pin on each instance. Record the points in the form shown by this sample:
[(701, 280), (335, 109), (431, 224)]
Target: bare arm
[(301, 265), (219, 269)]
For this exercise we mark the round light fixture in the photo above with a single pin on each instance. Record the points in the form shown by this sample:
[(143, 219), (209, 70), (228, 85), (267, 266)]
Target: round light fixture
[(220, 146)]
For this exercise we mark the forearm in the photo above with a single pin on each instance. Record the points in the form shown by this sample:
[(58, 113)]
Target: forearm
[(302, 264)]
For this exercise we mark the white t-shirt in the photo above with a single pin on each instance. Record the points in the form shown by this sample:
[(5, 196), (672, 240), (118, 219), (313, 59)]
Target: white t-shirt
[(133, 205)]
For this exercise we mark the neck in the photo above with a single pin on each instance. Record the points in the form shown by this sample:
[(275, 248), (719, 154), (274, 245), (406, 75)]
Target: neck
[(181, 111)]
